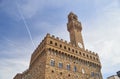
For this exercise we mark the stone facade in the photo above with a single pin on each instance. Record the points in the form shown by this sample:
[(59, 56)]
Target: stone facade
[(55, 58)]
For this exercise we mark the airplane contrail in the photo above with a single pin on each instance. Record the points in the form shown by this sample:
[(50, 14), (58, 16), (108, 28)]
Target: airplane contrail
[(26, 25)]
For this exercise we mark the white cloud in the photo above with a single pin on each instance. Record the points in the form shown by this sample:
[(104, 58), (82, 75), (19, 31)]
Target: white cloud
[(11, 67), (15, 59), (104, 37), (59, 30), (31, 7)]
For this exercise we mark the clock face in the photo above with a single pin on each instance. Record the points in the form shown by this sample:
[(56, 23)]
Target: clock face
[(80, 45)]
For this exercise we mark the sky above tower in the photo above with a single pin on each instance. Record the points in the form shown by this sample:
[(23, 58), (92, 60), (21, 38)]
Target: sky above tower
[(24, 23)]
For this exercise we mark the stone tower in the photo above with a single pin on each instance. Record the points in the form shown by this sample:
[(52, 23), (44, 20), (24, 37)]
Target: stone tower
[(74, 27), (55, 58)]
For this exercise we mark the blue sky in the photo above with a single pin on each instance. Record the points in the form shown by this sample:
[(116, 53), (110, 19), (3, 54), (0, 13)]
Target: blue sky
[(101, 28)]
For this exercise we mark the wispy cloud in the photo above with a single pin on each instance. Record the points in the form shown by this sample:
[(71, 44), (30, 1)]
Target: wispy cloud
[(104, 37), (16, 57), (11, 67)]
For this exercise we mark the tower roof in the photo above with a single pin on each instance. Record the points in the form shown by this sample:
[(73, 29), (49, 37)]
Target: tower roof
[(72, 16)]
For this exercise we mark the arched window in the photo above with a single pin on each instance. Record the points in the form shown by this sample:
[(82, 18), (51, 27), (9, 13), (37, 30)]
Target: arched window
[(51, 42), (75, 68), (83, 54), (52, 62), (64, 47), (60, 65), (68, 66), (69, 49), (92, 74), (80, 53), (55, 44), (72, 50), (60, 45), (76, 51)]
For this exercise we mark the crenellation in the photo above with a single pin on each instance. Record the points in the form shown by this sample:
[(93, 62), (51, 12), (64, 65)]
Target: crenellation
[(57, 38), (87, 52), (66, 42), (61, 40), (47, 35), (92, 53), (53, 36), (96, 54), (26, 71)]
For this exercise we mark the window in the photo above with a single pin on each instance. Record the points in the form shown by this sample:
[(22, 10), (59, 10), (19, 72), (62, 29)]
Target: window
[(64, 47), (68, 75), (51, 42), (76, 51), (83, 54), (68, 66), (60, 73), (55, 53), (97, 59), (69, 49), (60, 65), (98, 75), (52, 62), (90, 57), (72, 50), (60, 45), (80, 53), (92, 74), (62, 56), (55, 44), (52, 71), (87, 55), (75, 68)]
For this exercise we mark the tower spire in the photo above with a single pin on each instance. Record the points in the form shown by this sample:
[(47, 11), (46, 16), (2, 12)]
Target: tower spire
[(74, 27)]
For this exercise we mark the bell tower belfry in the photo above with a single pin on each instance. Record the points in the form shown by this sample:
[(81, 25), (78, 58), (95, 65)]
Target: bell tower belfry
[(74, 27)]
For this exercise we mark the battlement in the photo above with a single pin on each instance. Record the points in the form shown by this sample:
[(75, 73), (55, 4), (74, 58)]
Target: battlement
[(69, 44), (93, 53), (61, 44), (57, 38), (67, 47)]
